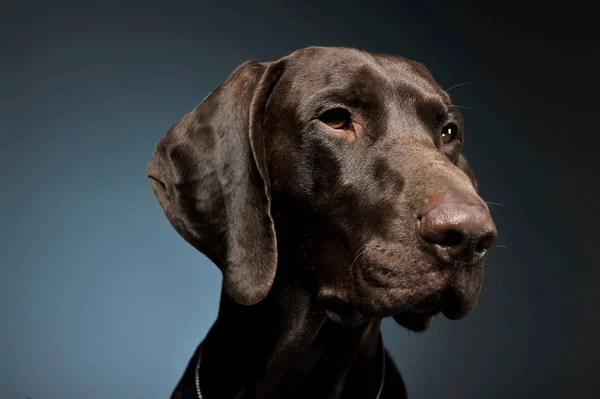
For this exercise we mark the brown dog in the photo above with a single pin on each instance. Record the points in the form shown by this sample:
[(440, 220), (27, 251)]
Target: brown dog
[(330, 189)]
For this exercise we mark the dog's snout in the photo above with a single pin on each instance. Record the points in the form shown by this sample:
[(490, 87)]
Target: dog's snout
[(457, 231)]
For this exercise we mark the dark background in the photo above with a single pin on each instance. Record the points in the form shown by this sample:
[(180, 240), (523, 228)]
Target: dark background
[(100, 298)]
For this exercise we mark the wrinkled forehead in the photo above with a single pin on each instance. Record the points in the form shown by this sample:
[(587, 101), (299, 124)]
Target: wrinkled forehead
[(359, 79)]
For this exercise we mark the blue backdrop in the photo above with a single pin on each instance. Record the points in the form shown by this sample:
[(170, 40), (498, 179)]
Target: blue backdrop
[(100, 298)]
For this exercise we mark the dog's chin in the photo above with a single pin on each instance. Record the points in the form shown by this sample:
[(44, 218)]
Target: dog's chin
[(420, 317), (349, 317), (417, 319), (454, 297), (414, 322)]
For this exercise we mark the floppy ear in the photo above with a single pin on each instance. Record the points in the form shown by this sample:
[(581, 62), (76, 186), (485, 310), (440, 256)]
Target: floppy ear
[(463, 164), (209, 175)]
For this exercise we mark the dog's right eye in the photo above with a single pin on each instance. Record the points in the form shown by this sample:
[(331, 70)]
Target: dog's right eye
[(337, 118), (449, 133)]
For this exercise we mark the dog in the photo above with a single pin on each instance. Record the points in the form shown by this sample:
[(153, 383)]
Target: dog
[(331, 190)]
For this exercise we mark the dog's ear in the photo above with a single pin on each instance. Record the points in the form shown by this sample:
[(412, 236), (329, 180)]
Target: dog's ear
[(210, 177), (463, 164)]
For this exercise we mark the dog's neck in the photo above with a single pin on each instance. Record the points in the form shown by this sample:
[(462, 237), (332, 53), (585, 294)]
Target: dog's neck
[(285, 346)]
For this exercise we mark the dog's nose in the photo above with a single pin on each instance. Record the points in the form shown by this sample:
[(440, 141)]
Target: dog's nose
[(457, 231)]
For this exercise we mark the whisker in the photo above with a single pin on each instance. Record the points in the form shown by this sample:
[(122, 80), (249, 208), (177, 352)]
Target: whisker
[(500, 246), (361, 251), (493, 203), (463, 107), (460, 84)]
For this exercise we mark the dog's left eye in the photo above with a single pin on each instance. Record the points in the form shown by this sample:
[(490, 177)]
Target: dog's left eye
[(337, 118), (449, 132)]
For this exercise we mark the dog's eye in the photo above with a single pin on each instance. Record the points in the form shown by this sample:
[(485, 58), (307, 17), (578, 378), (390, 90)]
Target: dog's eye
[(449, 132), (337, 118)]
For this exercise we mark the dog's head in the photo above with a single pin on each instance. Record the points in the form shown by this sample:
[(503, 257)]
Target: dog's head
[(362, 154)]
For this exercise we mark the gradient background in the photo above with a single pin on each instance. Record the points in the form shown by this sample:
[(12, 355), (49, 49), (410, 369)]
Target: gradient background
[(100, 298)]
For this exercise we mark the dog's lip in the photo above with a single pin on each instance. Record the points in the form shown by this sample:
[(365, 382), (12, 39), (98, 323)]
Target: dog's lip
[(414, 322), (347, 313), (420, 316), (422, 310)]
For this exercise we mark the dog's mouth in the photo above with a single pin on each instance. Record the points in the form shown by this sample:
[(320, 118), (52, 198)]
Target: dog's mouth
[(419, 317), (454, 299), (416, 318)]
